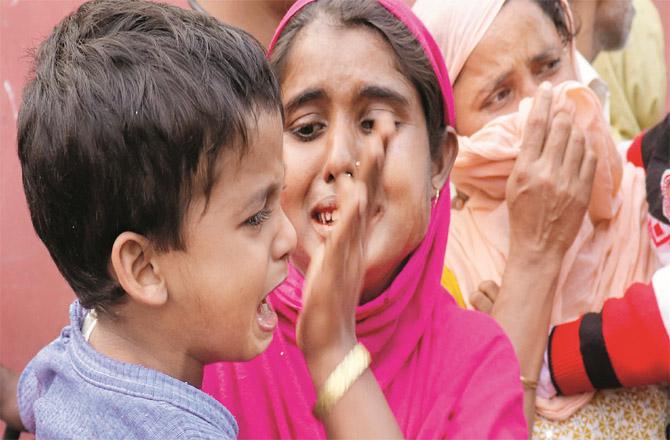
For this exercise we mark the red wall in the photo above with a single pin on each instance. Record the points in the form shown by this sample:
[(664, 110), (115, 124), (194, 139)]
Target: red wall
[(34, 297)]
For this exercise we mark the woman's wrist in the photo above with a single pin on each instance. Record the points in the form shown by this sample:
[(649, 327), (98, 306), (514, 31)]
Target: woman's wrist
[(321, 363), (542, 260), (524, 303)]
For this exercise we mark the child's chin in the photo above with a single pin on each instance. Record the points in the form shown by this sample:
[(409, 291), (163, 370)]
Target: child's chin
[(261, 344)]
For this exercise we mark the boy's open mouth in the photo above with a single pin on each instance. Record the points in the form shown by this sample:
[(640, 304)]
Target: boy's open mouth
[(266, 316)]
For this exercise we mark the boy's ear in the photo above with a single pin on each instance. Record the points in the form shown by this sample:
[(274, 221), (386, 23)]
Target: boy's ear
[(445, 158), (137, 271)]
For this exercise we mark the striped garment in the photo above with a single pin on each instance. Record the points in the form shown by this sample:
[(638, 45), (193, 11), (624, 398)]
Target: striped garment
[(625, 345)]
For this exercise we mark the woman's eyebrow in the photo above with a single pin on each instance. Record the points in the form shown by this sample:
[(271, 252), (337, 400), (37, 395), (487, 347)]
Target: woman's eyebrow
[(544, 55), (493, 84), (303, 98), (383, 94)]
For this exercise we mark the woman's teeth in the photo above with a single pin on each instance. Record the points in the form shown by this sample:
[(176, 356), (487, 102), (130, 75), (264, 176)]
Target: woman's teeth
[(327, 218)]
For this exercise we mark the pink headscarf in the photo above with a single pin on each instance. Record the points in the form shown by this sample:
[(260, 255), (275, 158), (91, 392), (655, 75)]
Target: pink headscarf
[(445, 372), (612, 249)]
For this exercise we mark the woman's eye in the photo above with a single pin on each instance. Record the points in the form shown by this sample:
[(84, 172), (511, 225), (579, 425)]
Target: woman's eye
[(307, 132), (498, 97), (551, 66), (367, 125), (259, 218)]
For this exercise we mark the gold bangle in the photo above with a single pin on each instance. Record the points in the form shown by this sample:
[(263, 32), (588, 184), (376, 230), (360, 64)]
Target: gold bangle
[(340, 380), (528, 384)]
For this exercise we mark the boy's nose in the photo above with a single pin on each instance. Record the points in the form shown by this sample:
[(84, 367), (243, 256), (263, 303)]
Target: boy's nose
[(287, 239)]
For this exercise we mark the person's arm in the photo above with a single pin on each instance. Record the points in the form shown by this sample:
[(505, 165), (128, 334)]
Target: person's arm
[(9, 408), (547, 196), (624, 345), (326, 329)]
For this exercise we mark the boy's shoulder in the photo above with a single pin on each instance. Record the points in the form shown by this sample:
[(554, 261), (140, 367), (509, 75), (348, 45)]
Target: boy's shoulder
[(71, 391)]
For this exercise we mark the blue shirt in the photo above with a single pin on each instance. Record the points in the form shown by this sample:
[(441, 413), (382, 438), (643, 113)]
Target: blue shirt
[(69, 390)]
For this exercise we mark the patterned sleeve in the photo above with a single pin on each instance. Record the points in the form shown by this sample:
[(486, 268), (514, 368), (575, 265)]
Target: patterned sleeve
[(625, 345)]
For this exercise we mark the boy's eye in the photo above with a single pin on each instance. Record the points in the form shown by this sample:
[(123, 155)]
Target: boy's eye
[(307, 132), (367, 125), (259, 218)]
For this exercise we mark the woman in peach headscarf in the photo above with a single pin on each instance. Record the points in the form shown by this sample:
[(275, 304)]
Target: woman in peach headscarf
[(498, 53)]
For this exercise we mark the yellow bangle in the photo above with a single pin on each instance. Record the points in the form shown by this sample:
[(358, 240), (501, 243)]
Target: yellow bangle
[(340, 380), (529, 384)]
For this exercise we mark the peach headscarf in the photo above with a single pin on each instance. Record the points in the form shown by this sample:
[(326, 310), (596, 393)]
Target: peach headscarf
[(612, 249)]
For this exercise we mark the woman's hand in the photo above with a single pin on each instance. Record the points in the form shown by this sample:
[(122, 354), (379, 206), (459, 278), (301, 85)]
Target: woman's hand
[(326, 329), (549, 189), (485, 296), (548, 193), (334, 280)]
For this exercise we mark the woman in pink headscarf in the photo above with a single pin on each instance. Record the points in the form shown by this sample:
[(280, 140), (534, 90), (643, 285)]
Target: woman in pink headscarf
[(444, 371), (499, 52)]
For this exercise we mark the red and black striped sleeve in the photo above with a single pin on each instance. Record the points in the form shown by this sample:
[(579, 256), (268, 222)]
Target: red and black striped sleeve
[(625, 345)]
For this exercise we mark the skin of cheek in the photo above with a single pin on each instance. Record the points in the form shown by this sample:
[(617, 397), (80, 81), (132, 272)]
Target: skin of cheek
[(299, 160), (406, 193)]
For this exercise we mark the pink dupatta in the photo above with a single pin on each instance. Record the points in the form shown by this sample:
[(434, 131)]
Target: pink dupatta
[(446, 372)]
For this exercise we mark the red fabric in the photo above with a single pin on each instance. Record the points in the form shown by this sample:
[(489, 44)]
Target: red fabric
[(567, 365), (636, 338), (634, 153)]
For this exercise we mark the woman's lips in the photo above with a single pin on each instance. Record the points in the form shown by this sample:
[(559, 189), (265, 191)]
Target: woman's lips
[(324, 216)]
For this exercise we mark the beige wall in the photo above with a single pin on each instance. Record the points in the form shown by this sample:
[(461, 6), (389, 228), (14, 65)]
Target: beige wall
[(664, 10)]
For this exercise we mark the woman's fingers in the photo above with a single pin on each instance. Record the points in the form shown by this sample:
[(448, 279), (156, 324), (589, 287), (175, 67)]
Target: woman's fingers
[(347, 232), (371, 162), (485, 296), (481, 302), (574, 153), (490, 289), (557, 141), (459, 200), (536, 126), (587, 171)]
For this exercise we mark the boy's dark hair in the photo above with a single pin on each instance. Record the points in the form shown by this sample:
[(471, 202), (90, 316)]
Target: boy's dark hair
[(411, 59), (129, 106)]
